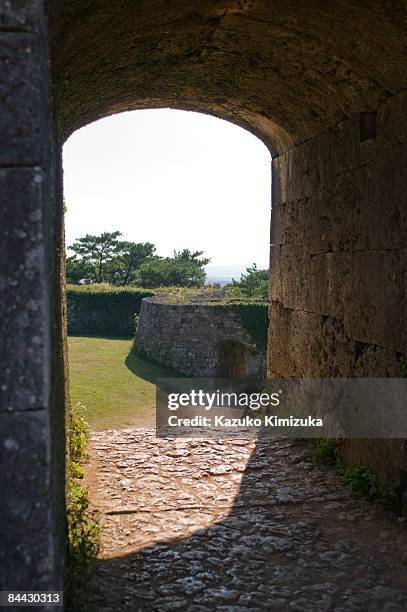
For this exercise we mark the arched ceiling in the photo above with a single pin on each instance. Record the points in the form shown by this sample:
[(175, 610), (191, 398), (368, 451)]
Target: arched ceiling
[(283, 69)]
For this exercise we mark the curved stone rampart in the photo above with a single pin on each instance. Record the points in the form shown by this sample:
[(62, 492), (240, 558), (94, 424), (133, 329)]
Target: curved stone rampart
[(187, 337)]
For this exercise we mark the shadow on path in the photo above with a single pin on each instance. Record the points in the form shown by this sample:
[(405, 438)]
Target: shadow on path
[(292, 539)]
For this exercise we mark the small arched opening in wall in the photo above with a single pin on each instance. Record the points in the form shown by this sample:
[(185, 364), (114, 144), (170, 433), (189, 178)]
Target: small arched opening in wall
[(231, 359)]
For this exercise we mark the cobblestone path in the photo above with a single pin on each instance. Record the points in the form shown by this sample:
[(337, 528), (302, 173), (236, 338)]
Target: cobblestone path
[(236, 525)]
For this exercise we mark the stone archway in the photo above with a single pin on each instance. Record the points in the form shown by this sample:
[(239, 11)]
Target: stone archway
[(231, 359), (299, 76), (307, 82)]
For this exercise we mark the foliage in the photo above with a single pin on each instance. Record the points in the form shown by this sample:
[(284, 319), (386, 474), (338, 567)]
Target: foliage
[(83, 544), (185, 269), (194, 256), (324, 451), (83, 526), (362, 481), (109, 288), (91, 256), (254, 318), (253, 284), (122, 269), (103, 309), (105, 258), (78, 270), (78, 434), (359, 478), (183, 295), (103, 288), (389, 495)]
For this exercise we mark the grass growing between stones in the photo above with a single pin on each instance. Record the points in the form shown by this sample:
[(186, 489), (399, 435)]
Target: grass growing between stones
[(324, 451), (116, 386), (360, 480)]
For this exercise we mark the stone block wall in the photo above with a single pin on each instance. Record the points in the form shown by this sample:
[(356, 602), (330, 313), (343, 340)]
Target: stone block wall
[(185, 337), (32, 478), (339, 258)]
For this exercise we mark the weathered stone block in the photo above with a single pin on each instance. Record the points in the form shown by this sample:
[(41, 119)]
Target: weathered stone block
[(349, 213), (336, 355), (275, 288), (305, 335), (22, 103), (20, 15), (293, 276), (24, 304), (304, 344), (328, 287), (316, 221), (384, 199), (371, 360), (347, 152), (376, 309), (295, 175), (278, 353), (27, 529), (288, 222), (279, 183)]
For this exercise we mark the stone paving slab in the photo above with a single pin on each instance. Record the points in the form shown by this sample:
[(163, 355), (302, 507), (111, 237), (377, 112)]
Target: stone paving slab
[(236, 525)]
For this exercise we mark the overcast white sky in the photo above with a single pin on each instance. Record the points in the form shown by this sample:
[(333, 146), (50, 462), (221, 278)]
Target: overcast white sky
[(174, 178)]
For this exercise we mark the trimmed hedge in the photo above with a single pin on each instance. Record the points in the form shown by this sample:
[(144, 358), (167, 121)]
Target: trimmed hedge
[(103, 309), (107, 310)]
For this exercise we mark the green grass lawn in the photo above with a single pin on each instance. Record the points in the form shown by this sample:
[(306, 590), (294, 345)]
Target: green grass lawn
[(117, 388)]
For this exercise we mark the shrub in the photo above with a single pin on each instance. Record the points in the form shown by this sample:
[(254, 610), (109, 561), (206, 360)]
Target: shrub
[(324, 451), (359, 478), (362, 481), (254, 317), (78, 434), (82, 523)]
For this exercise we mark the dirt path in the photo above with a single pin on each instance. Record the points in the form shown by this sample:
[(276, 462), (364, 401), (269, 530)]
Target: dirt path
[(234, 526)]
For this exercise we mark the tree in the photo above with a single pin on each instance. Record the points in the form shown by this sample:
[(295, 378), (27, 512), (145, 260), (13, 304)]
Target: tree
[(77, 270), (253, 284), (192, 257), (94, 252), (105, 258), (185, 269), (130, 257)]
